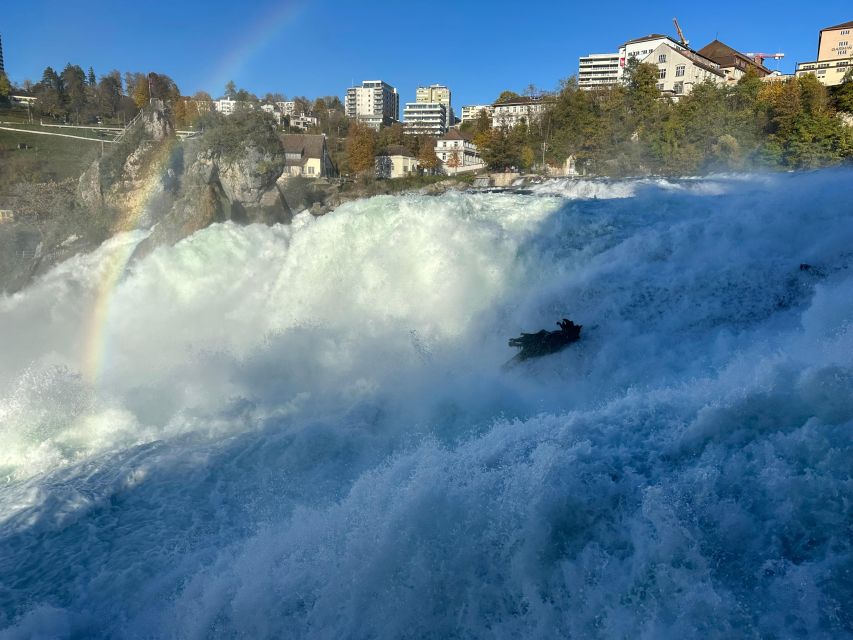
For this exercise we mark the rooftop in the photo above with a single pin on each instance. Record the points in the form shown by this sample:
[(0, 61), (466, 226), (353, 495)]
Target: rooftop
[(844, 25)]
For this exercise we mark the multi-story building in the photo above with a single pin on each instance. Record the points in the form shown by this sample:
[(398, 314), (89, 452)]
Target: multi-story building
[(732, 62), (604, 69), (679, 70), (834, 55), (375, 103), (457, 153), (508, 113), (599, 69), (472, 111), (640, 48), (426, 118), (2, 66), (437, 93)]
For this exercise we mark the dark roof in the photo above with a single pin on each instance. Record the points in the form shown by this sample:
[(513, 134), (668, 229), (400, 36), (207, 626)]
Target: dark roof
[(651, 36), (844, 25), (455, 134), (725, 56), (310, 146), (397, 150)]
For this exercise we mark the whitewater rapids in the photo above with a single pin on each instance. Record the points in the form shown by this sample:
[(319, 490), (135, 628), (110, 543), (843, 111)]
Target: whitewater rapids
[(306, 431)]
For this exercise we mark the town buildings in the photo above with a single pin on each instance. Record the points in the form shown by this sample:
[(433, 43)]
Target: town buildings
[(396, 161), (307, 155), (472, 111), (679, 70), (426, 118), (834, 55), (508, 113), (732, 62), (603, 69), (225, 106), (2, 65), (375, 103), (457, 153)]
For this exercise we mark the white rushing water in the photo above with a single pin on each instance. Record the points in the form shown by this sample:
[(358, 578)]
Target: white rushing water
[(307, 431)]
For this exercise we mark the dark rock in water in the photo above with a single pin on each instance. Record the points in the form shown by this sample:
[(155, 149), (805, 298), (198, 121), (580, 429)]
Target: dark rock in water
[(542, 343)]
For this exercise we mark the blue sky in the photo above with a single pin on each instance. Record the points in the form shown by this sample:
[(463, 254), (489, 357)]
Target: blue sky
[(318, 48)]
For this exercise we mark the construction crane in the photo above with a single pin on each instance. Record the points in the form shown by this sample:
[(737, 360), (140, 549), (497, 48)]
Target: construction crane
[(761, 57), (681, 37)]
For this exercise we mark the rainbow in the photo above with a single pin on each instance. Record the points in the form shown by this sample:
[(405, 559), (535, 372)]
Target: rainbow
[(262, 32), (96, 338)]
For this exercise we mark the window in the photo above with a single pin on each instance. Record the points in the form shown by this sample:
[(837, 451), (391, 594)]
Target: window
[(662, 57), (846, 32), (843, 44), (679, 71), (660, 86), (678, 87), (662, 74)]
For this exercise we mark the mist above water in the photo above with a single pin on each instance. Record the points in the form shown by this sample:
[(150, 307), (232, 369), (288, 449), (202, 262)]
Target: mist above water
[(306, 430)]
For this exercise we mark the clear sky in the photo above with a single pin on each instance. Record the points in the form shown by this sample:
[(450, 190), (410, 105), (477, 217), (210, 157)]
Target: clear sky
[(312, 48)]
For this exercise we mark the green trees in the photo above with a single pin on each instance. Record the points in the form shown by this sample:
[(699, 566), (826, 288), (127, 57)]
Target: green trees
[(631, 129), (361, 148)]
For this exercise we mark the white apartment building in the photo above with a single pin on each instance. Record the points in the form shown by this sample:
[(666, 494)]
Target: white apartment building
[(472, 111), (273, 111), (599, 70), (457, 153), (679, 70), (426, 118), (225, 106), (834, 55), (375, 103), (509, 113)]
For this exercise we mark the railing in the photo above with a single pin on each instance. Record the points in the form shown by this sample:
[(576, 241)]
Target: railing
[(130, 124)]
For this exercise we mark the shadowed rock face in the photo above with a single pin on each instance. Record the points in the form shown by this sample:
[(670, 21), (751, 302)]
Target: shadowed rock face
[(177, 188)]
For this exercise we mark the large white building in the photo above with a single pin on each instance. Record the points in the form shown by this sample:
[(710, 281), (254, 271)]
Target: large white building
[(375, 103), (599, 69), (426, 118), (508, 113)]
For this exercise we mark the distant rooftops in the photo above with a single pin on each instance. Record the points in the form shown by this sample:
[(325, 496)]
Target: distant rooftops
[(651, 36), (397, 150), (726, 56), (454, 134)]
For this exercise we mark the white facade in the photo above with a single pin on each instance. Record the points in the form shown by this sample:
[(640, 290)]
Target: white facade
[(640, 48), (509, 113), (375, 102), (396, 162), (303, 122), (287, 107), (437, 93), (458, 154), (472, 111), (599, 70), (425, 118), (227, 106), (680, 70)]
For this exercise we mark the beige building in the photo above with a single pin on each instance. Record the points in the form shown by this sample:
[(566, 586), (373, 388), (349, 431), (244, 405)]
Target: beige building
[(679, 70), (472, 111), (306, 155), (437, 93), (396, 162), (834, 55)]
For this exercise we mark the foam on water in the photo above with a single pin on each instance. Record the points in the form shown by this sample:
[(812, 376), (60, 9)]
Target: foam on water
[(306, 431)]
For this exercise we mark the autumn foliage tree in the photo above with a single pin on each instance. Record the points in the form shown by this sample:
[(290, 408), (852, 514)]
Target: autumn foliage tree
[(361, 148)]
